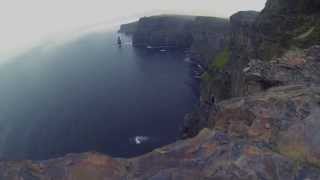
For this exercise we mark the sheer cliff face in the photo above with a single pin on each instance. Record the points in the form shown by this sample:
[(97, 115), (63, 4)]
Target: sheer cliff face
[(163, 31), (210, 36), (242, 48), (128, 28), (292, 6), (205, 36), (287, 23), (266, 50), (282, 25)]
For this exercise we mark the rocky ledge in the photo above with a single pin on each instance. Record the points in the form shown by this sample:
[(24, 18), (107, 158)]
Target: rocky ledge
[(296, 66)]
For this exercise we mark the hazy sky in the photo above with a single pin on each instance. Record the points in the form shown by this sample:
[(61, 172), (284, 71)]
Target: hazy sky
[(26, 22)]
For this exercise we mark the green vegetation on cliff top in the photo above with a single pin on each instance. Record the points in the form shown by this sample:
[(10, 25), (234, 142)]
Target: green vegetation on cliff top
[(220, 60), (212, 77), (218, 64)]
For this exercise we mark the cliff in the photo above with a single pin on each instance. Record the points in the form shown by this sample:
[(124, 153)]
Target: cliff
[(204, 36), (210, 35), (293, 6), (285, 24), (242, 48), (259, 116), (223, 78), (167, 31), (280, 32), (282, 26), (129, 28)]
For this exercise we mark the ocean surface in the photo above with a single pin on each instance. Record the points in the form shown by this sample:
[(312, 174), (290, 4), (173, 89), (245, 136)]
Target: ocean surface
[(89, 94)]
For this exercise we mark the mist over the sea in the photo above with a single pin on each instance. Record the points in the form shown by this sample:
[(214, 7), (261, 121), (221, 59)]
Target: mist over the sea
[(27, 23), (89, 94)]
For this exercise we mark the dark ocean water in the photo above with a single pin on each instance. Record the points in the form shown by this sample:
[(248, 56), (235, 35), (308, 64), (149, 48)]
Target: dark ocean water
[(90, 95)]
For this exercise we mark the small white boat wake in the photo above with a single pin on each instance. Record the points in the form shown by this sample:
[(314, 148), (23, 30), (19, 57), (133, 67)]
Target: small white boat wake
[(139, 140)]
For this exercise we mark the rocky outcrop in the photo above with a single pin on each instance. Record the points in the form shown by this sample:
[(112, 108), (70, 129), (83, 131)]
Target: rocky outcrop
[(294, 67), (283, 24), (284, 119), (264, 51)]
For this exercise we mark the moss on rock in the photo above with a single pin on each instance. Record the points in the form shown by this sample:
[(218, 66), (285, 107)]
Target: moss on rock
[(220, 60)]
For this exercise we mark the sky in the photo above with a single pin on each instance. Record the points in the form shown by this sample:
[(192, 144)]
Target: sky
[(24, 23)]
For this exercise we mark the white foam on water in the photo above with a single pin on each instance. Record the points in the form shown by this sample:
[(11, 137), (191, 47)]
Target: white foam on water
[(140, 139)]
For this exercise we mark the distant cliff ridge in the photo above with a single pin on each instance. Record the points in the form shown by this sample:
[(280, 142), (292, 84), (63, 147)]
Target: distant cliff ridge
[(204, 36), (163, 31), (128, 28)]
